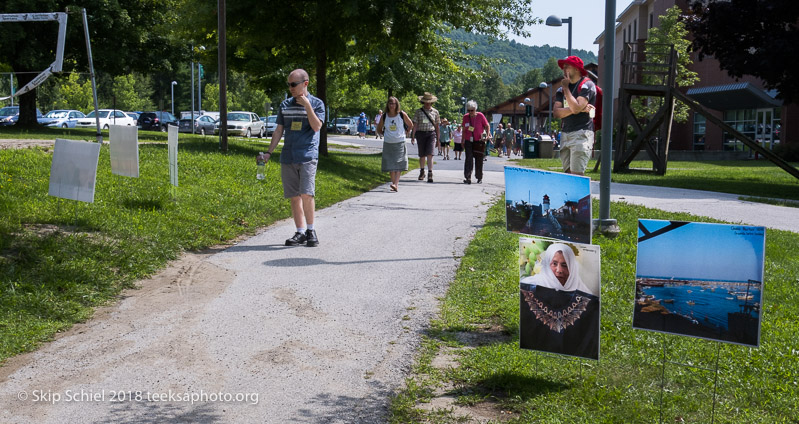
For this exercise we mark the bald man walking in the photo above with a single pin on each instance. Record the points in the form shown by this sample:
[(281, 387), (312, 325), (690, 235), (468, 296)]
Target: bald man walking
[(301, 117)]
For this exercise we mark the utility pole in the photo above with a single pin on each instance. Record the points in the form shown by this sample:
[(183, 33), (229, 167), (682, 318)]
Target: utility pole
[(222, 77)]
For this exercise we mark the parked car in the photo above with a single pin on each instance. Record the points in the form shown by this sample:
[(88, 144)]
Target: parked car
[(61, 118), (202, 125), (271, 123), (247, 124), (107, 117), (9, 115), (134, 115), (157, 121), (347, 126)]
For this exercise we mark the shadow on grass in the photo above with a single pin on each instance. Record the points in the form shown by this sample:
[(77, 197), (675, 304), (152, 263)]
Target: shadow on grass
[(521, 387), (143, 204)]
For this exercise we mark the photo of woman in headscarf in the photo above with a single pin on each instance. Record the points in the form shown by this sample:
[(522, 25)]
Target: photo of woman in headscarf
[(559, 310)]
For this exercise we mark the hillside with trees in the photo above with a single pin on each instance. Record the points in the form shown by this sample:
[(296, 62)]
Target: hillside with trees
[(518, 58)]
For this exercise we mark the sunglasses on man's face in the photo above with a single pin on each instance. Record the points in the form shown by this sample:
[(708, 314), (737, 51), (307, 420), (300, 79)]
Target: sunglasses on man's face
[(294, 84)]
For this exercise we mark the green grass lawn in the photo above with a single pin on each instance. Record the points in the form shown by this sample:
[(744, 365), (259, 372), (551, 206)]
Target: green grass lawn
[(754, 385), (60, 258), (759, 178)]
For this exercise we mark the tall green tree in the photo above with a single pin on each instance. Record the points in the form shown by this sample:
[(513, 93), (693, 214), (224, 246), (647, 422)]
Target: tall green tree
[(551, 70), (131, 92), (750, 37), (531, 79), (400, 41), (125, 36), (74, 92), (670, 32)]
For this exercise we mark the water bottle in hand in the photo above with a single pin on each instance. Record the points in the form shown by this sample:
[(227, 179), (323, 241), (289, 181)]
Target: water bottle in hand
[(261, 172)]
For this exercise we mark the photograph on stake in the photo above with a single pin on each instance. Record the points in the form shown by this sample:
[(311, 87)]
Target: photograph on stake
[(559, 309), (700, 279), (548, 204)]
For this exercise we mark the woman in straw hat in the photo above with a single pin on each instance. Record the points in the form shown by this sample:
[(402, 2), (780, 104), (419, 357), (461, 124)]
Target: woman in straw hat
[(426, 121)]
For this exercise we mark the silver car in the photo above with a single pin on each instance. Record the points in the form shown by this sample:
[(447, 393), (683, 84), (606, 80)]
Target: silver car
[(246, 124)]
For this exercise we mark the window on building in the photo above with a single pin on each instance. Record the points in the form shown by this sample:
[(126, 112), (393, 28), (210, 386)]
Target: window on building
[(700, 125), (651, 20), (635, 29), (744, 121), (777, 125), (625, 35)]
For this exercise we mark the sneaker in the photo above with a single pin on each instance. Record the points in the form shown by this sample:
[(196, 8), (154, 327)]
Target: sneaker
[(479, 181), (421, 175), (311, 239), (467, 181), (430, 177), (297, 239)]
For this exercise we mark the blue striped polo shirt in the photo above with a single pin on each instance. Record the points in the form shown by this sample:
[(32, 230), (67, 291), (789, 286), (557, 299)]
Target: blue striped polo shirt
[(300, 142)]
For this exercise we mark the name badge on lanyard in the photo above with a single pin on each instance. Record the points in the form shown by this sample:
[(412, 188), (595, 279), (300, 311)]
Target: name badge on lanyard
[(296, 125)]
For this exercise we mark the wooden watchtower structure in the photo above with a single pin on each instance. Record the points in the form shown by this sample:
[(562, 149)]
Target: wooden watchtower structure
[(648, 71)]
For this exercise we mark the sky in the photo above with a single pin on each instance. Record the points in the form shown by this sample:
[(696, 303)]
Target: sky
[(531, 185), (702, 251), (588, 21)]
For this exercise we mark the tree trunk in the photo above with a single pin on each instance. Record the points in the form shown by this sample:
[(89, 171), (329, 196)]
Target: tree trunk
[(27, 104), (321, 93)]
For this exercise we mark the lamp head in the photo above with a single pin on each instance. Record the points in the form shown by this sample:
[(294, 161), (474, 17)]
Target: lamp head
[(553, 20), (543, 85), (174, 83)]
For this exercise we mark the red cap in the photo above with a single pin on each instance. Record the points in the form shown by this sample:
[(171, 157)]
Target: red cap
[(573, 61)]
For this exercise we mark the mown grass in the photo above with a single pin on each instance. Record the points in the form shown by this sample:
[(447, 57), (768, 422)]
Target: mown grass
[(759, 178), (89, 134), (60, 258), (754, 385)]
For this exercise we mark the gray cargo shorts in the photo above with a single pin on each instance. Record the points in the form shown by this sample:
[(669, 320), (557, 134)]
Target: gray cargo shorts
[(298, 178)]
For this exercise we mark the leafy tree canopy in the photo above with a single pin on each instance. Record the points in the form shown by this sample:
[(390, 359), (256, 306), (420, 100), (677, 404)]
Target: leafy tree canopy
[(125, 36), (750, 37)]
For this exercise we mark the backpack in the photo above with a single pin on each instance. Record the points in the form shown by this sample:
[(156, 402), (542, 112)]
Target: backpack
[(597, 103)]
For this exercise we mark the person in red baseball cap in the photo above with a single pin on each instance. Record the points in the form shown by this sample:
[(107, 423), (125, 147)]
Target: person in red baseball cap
[(574, 105)]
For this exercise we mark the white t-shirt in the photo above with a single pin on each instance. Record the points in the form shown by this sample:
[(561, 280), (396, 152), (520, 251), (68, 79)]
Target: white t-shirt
[(393, 129)]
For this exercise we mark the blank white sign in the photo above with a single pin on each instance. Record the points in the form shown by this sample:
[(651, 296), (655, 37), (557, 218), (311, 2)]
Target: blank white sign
[(124, 150), (172, 144), (74, 170)]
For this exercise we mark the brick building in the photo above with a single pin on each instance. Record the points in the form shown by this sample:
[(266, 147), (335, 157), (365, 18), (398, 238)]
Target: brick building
[(742, 103)]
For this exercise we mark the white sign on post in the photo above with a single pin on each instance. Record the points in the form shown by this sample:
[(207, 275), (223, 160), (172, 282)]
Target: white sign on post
[(73, 172), (124, 140), (172, 143)]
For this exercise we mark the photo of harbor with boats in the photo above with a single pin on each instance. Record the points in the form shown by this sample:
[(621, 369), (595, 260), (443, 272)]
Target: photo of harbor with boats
[(719, 310), (700, 279)]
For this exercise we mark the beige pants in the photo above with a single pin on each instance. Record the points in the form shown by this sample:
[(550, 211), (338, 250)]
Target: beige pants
[(575, 150)]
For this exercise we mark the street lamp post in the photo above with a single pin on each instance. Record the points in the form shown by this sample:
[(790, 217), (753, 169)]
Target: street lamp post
[(525, 104), (541, 87), (174, 83), (463, 102), (549, 115), (556, 21), (199, 84), (191, 87)]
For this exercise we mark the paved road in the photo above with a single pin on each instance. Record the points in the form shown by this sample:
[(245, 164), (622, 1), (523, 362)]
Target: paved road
[(320, 335)]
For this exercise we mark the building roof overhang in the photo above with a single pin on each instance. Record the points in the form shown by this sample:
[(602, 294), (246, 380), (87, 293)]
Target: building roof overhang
[(742, 95)]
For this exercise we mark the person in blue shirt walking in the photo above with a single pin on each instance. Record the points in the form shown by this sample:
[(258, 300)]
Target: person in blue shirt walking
[(301, 117)]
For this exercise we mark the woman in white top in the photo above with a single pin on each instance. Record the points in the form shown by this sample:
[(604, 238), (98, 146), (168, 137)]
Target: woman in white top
[(394, 126), (457, 136)]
